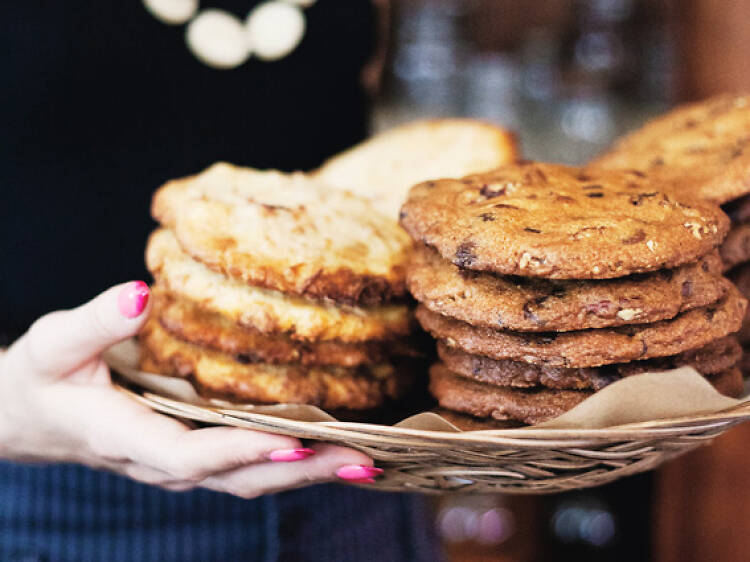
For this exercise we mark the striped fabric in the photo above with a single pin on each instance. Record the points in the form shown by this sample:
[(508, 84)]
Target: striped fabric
[(71, 513)]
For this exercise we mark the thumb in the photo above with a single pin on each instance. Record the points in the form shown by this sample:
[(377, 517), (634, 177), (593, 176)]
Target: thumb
[(62, 341)]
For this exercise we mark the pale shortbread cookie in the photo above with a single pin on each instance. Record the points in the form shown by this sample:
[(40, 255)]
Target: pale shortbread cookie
[(384, 167), (219, 374), (265, 310), (190, 322), (286, 232)]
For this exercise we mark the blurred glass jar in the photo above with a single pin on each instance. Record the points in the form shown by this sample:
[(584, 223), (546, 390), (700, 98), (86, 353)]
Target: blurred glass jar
[(429, 53)]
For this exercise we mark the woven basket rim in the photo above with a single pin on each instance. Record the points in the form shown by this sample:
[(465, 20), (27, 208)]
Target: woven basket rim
[(523, 437)]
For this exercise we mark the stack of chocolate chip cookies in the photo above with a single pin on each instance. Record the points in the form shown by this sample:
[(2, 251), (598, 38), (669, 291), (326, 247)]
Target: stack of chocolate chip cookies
[(703, 150), (270, 288), (544, 283)]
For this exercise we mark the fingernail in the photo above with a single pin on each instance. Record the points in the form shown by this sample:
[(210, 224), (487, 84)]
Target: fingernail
[(133, 299), (362, 481), (358, 472), (290, 455)]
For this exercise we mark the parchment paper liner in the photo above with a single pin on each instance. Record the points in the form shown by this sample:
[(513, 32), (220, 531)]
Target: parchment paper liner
[(676, 393)]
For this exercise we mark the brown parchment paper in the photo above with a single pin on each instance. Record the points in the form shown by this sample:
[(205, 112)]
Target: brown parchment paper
[(638, 398)]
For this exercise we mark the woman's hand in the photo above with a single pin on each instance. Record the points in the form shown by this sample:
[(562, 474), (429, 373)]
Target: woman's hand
[(57, 405)]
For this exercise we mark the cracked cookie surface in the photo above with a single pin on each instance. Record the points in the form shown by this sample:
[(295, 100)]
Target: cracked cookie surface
[(286, 232), (561, 222)]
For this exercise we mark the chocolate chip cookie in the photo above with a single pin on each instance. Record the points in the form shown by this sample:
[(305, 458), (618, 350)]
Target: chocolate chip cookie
[(530, 406), (711, 359), (590, 348), (703, 149), (561, 222), (538, 305)]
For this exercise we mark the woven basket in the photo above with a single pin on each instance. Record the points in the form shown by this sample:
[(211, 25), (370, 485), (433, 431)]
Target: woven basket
[(518, 461)]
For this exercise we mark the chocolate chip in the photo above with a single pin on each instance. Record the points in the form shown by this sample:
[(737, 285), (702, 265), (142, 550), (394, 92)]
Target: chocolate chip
[(658, 161), (637, 173), (564, 199), (465, 256), (644, 348), (597, 195), (690, 123), (245, 358), (490, 193), (534, 230), (402, 215), (487, 217), (638, 199), (504, 206), (583, 177), (639, 236), (737, 152), (430, 184), (591, 186), (710, 313), (705, 267), (687, 289)]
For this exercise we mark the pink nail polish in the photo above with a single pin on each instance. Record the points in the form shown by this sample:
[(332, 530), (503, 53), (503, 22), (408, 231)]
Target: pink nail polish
[(358, 472), (133, 299), (362, 481), (290, 455)]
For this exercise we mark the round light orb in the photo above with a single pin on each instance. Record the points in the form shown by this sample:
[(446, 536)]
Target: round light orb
[(172, 12), (217, 38), (274, 29)]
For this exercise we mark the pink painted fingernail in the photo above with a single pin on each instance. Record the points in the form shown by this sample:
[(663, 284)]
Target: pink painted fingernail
[(133, 299), (290, 455), (362, 481), (358, 472)]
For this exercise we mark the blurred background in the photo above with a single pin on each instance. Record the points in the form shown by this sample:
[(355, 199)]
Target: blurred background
[(569, 76)]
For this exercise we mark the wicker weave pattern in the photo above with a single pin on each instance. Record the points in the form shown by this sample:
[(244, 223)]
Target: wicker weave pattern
[(529, 461)]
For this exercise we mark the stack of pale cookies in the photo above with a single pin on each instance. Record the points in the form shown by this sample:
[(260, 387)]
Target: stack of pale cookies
[(702, 150), (286, 288), (270, 288), (544, 283)]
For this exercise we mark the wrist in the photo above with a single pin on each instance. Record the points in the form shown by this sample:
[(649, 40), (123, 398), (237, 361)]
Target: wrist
[(11, 406), (5, 437)]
